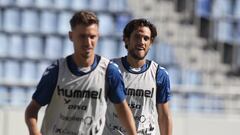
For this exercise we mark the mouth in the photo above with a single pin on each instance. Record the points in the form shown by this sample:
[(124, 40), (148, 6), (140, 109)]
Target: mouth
[(87, 49), (140, 48)]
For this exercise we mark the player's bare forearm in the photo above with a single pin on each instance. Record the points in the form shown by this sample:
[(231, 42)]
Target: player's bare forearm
[(31, 115), (164, 119), (126, 118), (165, 124)]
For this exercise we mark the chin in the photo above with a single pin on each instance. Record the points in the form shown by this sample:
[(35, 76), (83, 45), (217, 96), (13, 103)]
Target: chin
[(139, 57), (87, 55)]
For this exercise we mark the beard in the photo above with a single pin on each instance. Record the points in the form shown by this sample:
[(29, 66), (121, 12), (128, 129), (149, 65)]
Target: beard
[(135, 56)]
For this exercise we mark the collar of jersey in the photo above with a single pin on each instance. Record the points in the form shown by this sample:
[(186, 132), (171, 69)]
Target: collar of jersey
[(74, 68), (128, 68)]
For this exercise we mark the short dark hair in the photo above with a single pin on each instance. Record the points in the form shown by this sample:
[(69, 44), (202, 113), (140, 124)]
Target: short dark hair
[(84, 17), (135, 23)]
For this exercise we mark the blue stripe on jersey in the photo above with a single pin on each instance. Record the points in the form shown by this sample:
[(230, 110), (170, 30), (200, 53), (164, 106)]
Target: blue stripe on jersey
[(47, 84), (116, 91), (163, 86)]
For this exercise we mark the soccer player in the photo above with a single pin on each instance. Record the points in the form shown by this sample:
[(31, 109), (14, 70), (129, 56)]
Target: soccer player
[(76, 88), (147, 84)]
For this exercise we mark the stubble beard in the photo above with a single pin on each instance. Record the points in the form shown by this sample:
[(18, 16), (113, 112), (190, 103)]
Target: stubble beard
[(135, 56)]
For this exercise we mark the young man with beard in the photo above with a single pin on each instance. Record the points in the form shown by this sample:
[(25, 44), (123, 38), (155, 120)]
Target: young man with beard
[(147, 84)]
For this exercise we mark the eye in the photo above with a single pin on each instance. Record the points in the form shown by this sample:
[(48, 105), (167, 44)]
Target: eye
[(92, 36), (146, 38)]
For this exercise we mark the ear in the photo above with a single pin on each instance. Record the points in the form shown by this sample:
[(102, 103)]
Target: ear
[(126, 40), (70, 35), (151, 42)]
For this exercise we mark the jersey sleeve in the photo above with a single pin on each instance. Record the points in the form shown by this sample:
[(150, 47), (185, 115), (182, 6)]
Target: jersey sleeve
[(47, 84), (163, 86), (116, 92)]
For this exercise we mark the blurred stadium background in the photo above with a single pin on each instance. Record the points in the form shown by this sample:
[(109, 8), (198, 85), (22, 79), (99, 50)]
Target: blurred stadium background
[(198, 42)]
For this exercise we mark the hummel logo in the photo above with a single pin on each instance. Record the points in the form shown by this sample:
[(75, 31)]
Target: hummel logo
[(75, 93), (67, 100), (151, 128)]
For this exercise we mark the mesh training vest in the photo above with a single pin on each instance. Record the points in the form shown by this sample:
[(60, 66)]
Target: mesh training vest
[(78, 104), (141, 98)]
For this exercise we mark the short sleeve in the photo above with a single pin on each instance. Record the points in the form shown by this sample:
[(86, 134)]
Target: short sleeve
[(163, 86), (47, 84), (116, 92)]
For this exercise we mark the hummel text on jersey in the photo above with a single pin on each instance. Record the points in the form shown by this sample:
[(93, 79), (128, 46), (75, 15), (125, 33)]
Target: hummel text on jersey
[(140, 92), (72, 93)]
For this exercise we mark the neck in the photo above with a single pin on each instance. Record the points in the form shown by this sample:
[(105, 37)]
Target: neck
[(82, 61), (135, 63)]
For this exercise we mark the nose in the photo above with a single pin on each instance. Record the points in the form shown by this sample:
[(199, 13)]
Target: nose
[(140, 41), (87, 41)]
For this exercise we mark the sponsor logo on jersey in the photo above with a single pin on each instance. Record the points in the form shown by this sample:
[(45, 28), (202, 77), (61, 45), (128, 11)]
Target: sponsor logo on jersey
[(137, 118), (140, 118), (135, 106), (61, 131), (74, 93), (146, 131), (86, 120), (114, 127), (140, 92), (77, 107)]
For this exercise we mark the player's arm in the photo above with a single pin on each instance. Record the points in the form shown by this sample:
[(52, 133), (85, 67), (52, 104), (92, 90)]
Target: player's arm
[(31, 117), (117, 96), (41, 97), (163, 97), (126, 118), (164, 119)]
